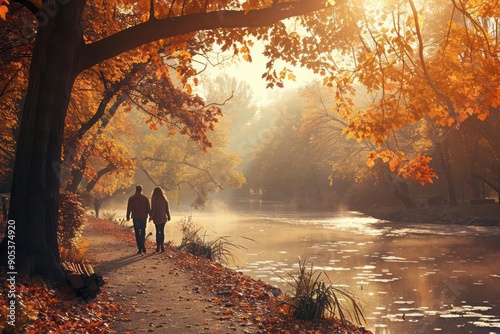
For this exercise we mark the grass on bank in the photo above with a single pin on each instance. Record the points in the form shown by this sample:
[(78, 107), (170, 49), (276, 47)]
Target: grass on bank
[(312, 298)]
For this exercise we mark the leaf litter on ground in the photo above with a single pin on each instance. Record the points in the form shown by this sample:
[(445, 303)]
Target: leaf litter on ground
[(243, 299)]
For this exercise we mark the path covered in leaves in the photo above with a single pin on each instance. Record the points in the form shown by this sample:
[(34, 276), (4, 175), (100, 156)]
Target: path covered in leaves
[(175, 292), (156, 294)]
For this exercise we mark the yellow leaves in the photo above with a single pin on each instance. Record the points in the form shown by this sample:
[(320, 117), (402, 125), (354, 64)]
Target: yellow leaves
[(418, 168), (181, 54), (445, 121), (247, 57), (370, 161), (442, 116), (327, 81), (245, 50), (4, 9), (395, 163), (330, 2)]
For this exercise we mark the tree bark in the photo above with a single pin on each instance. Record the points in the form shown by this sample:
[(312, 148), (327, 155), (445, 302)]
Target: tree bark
[(442, 153), (35, 189), (400, 189)]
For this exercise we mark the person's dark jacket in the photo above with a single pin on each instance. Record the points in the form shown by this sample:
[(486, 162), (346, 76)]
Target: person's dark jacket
[(138, 205)]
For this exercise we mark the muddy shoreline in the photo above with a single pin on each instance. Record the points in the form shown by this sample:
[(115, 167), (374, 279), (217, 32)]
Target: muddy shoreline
[(465, 214)]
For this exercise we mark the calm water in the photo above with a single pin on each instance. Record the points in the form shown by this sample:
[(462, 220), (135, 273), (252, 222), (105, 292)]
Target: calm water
[(410, 279)]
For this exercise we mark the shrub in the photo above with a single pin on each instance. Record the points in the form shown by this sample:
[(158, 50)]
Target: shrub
[(312, 298), (218, 250), (109, 215), (71, 220)]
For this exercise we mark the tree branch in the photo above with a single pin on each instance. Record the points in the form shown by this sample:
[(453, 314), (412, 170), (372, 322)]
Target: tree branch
[(153, 30), (148, 175), (29, 6), (107, 98), (100, 174), (428, 78)]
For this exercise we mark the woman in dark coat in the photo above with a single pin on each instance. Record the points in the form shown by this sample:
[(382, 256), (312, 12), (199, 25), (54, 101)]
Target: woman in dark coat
[(160, 214)]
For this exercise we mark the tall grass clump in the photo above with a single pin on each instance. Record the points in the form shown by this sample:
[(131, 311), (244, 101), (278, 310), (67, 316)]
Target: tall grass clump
[(312, 298), (220, 250), (109, 215)]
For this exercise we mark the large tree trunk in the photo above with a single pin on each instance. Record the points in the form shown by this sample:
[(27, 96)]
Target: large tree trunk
[(36, 180), (442, 152)]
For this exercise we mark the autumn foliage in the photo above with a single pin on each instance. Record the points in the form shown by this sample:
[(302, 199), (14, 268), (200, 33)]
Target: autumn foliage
[(41, 308), (421, 65), (70, 227)]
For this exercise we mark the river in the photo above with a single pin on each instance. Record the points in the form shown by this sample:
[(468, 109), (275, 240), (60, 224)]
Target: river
[(410, 278)]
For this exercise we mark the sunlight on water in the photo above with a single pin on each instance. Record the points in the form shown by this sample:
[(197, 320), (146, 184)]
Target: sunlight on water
[(352, 221), (411, 278)]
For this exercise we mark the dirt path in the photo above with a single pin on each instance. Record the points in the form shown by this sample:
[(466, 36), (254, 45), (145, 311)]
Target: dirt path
[(158, 296)]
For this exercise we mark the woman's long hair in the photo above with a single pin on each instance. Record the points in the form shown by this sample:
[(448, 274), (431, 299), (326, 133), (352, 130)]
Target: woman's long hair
[(158, 193)]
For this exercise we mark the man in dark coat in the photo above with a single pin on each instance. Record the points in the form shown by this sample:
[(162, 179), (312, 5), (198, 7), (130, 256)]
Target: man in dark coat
[(138, 207)]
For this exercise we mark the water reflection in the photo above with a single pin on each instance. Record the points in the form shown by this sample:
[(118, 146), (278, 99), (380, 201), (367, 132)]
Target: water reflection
[(411, 278)]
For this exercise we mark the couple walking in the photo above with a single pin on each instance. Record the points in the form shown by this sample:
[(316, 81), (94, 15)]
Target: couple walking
[(138, 207)]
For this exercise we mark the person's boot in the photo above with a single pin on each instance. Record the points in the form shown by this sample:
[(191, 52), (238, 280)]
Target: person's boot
[(157, 248), (162, 249)]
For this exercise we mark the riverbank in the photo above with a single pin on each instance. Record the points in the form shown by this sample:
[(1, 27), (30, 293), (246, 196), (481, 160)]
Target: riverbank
[(465, 214), (170, 292), (174, 292)]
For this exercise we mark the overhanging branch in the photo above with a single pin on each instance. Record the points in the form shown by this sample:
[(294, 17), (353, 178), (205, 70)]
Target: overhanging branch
[(153, 30)]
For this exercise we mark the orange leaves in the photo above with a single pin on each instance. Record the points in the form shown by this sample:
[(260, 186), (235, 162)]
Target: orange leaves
[(3, 8), (42, 308), (416, 168)]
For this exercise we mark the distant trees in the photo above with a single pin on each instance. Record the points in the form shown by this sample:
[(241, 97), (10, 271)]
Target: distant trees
[(285, 166), (308, 136), (188, 174), (305, 159), (158, 98)]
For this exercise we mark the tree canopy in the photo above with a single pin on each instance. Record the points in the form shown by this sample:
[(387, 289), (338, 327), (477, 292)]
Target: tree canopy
[(420, 63)]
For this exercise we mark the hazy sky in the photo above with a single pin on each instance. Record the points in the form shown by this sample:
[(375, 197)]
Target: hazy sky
[(251, 72)]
